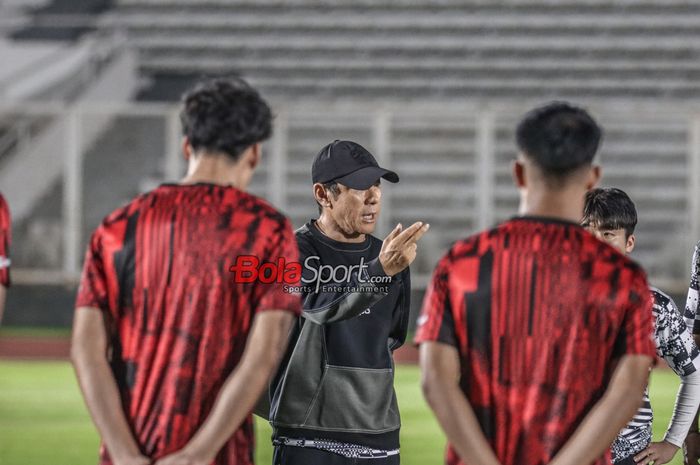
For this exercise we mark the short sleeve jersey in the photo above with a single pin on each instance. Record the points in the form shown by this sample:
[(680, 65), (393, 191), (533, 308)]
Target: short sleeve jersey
[(158, 269), (538, 310), (5, 236)]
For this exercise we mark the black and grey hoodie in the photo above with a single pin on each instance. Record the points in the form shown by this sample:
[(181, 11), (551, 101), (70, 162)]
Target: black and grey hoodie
[(336, 380)]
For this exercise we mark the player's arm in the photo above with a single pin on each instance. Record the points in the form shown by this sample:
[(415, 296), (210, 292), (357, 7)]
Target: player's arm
[(684, 414), (617, 406), (240, 391), (89, 348), (398, 251), (676, 346), (440, 372)]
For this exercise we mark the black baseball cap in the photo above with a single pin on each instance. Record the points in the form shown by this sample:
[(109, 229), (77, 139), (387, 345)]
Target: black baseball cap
[(349, 164)]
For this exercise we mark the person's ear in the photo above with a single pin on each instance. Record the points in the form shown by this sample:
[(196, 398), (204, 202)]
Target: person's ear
[(322, 195), (594, 175), (187, 150), (255, 155), (629, 245), (519, 174)]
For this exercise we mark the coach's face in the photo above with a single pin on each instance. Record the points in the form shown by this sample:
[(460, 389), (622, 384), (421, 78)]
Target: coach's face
[(356, 211)]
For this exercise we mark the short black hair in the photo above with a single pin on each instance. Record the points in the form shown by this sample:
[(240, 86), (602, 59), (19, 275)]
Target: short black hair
[(331, 186), (225, 116), (559, 137), (610, 208)]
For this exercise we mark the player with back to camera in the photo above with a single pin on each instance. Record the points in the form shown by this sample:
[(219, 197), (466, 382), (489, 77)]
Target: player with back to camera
[(611, 216), (534, 336), (172, 353)]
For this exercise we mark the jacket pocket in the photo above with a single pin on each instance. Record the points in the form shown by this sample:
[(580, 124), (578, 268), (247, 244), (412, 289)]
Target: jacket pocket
[(355, 400)]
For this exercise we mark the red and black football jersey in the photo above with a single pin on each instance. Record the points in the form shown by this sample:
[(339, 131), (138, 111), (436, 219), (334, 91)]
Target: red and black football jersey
[(539, 311), (159, 270), (5, 236)]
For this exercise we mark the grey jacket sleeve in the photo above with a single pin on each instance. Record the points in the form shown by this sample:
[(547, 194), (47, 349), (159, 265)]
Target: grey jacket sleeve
[(401, 315), (329, 307), (360, 292)]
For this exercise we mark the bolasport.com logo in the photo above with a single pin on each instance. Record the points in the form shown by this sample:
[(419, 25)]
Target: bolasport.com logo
[(310, 276)]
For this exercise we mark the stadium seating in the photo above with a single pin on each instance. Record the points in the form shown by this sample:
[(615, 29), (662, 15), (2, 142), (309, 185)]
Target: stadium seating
[(419, 49), (332, 68)]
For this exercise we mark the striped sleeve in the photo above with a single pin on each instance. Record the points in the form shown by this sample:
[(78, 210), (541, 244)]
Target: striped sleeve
[(436, 320), (5, 237), (276, 295), (92, 291), (637, 331)]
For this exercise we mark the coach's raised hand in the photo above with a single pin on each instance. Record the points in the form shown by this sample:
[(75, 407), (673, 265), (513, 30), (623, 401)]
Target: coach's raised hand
[(400, 246)]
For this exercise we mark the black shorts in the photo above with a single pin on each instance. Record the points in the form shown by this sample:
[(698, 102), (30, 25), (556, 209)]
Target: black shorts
[(292, 455)]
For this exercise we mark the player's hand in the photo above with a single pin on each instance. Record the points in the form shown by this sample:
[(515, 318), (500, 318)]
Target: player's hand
[(136, 460), (691, 447), (657, 452), (399, 247), (182, 458)]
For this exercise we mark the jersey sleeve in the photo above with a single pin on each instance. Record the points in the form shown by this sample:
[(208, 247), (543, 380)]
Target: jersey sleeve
[(636, 333), (93, 282), (692, 303), (436, 321), (276, 295), (5, 237), (674, 342)]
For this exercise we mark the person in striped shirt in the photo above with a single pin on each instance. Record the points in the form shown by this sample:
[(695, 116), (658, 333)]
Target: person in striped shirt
[(611, 216)]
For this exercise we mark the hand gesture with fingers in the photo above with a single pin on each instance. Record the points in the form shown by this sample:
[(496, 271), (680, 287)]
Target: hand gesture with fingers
[(657, 452), (400, 246)]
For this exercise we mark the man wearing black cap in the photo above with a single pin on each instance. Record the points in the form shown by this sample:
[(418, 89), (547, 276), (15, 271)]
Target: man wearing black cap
[(333, 400)]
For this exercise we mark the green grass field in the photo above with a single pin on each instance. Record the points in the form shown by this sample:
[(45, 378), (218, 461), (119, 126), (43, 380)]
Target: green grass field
[(43, 420)]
